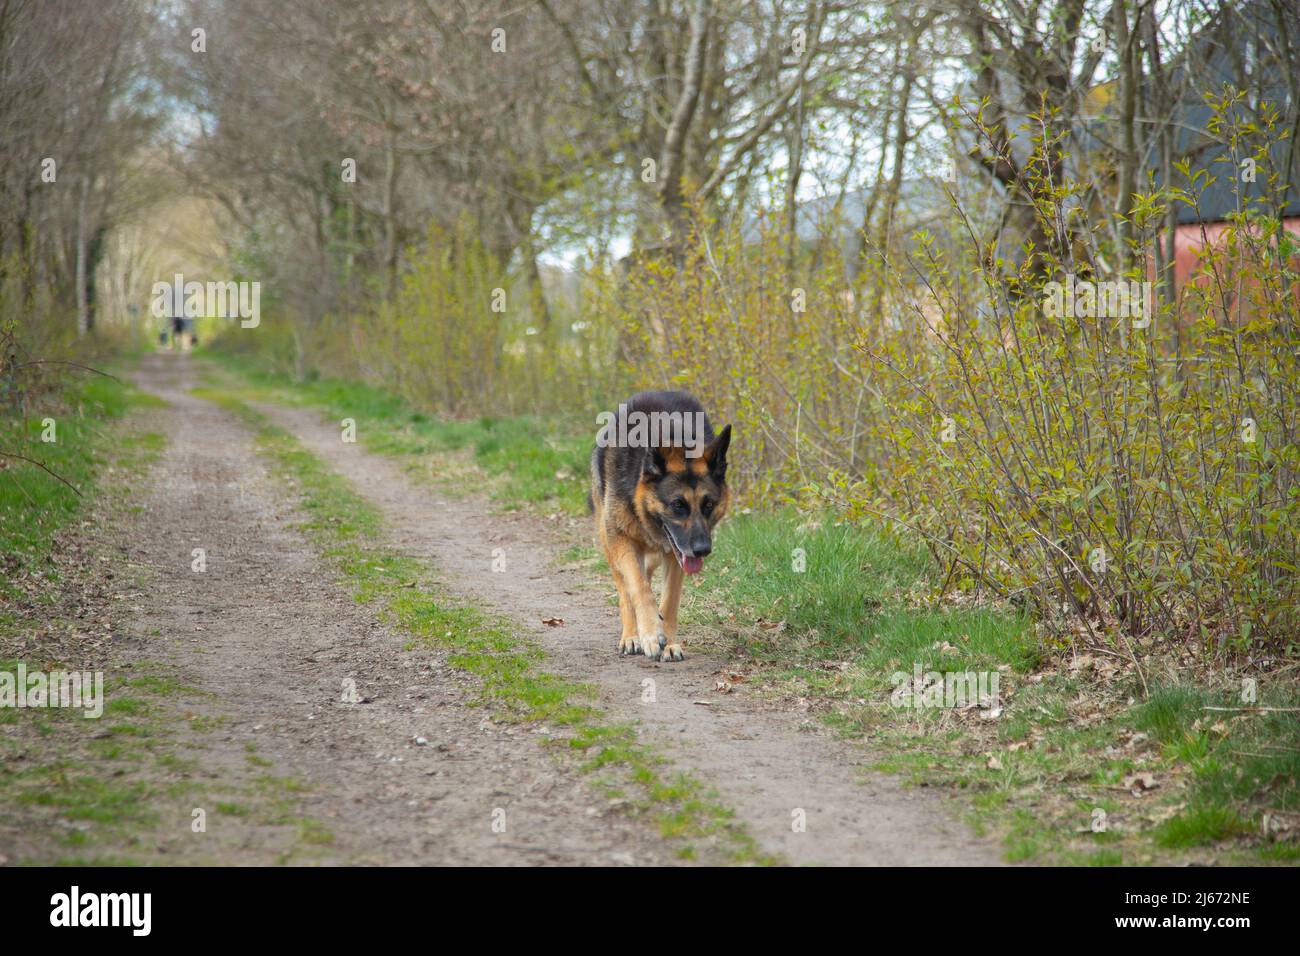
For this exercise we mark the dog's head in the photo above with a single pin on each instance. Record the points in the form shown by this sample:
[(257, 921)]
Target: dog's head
[(684, 498)]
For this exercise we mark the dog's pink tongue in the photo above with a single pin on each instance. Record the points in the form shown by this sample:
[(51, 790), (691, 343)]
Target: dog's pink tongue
[(692, 565)]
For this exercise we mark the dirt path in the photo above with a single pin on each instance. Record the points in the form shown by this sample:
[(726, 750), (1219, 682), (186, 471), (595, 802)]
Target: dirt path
[(270, 637), (765, 763)]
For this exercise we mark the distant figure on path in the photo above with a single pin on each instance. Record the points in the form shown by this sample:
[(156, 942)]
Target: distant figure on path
[(183, 329)]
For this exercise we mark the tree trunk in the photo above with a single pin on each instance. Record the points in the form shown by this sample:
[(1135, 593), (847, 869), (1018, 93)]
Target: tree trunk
[(390, 223), (902, 136), (537, 296), (794, 145), (83, 306), (671, 198), (1126, 50)]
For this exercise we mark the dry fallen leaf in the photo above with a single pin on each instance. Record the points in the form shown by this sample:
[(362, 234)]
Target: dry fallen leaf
[(1138, 782), (1275, 826), (553, 621)]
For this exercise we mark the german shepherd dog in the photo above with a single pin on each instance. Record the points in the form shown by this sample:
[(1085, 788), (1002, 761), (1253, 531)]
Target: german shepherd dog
[(658, 489)]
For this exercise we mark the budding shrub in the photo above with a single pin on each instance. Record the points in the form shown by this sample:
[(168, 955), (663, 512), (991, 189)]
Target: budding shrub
[(1098, 468)]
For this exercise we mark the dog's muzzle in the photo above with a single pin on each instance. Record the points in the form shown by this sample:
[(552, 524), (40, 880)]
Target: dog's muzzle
[(691, 563)]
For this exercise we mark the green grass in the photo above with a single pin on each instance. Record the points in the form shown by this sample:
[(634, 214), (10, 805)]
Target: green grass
[(1201, 825), (516, 686), (533, 461), (844, 592), (34, 505), (93, 798), (1240, 760)]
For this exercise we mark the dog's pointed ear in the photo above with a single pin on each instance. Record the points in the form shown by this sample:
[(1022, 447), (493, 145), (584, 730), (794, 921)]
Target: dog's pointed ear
[(716, 454), (653, 466)]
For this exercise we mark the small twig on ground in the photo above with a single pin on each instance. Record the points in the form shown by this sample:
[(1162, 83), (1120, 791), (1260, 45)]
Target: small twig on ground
[(73, 364), (1250, 753), (1259, 710), (42, 467)]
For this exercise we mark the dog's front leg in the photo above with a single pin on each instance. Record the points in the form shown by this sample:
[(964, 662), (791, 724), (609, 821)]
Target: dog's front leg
[(627, 564), (627, 617), (672, 596)]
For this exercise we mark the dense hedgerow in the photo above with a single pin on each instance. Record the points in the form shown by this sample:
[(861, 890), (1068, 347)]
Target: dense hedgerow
[(1133, 475)]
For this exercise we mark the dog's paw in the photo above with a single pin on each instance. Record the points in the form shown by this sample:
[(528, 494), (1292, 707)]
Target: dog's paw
[(627, 646), (652, 645), (674, 652)]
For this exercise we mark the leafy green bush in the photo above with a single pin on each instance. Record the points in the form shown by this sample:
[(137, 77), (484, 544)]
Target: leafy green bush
[(1127, 467), (1140, 473), (464, 336)]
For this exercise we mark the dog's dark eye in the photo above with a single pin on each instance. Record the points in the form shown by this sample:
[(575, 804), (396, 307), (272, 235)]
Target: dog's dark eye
[(707, 506), (681, 507)]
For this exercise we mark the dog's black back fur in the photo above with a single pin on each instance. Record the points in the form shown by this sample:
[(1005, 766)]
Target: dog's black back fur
[(630, 462)]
